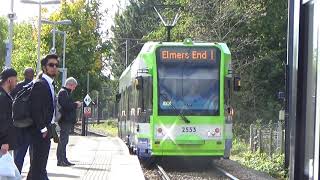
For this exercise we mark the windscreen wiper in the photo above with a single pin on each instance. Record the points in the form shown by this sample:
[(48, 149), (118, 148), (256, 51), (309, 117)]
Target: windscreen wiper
[(182, 116)]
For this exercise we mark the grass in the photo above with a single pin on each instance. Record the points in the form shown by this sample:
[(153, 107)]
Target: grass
[(108, 127), (259, 161)]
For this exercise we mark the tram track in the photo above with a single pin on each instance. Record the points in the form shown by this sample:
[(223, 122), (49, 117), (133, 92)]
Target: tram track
[(162, 173), (226, 173), (187, 169)]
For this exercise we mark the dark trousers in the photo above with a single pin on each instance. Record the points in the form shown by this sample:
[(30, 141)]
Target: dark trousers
[(64, 139), (24, 141), (40, 152)]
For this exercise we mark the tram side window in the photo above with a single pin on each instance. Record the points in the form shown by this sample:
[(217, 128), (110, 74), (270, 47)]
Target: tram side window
[(121, 104), (130, 102), (147, 93), (144, 97)]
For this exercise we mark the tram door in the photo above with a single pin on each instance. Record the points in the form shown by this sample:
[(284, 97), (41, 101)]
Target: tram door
[(304, 88)]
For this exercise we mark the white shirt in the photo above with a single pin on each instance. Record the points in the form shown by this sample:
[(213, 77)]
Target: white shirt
[(50, 81)]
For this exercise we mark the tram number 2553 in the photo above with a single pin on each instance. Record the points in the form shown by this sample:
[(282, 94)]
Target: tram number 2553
[(189, 129)]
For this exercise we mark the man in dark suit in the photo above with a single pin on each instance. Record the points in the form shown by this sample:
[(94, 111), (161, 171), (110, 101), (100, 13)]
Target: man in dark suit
[(8, 81), (42, 113), (23, 135), (68, 118)]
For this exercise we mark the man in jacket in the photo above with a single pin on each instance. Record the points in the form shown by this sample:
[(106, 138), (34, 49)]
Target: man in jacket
[(8, 81), (68, 118), (23, 135), (42, 113)]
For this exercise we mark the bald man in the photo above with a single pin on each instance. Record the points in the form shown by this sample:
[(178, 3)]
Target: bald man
[(23, 134), (28, 77)]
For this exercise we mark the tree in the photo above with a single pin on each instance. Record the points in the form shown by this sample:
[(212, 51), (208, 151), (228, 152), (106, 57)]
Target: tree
[(255, 32), (3, 37), (24, 52), (137, 21), (85, 47)]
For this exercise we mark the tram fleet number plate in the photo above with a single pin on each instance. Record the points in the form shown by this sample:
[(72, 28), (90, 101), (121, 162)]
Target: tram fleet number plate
[(188, 129)]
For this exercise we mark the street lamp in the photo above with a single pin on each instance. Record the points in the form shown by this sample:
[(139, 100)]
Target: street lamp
[(64, 70), (9, 42), (39, 2), (55, 23)]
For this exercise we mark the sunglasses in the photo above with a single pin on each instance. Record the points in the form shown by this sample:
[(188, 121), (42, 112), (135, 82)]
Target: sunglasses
[(53, 65)]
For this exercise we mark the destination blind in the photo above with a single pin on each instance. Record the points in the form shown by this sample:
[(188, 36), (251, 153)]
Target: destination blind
[(178, 53)]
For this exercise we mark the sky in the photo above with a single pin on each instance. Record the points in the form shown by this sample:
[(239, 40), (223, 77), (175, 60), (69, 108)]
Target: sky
[(28, 12)]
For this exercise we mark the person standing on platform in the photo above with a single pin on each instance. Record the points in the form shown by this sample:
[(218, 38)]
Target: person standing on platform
[(42, 113), (8, 81), (23, 134), (68, 119)]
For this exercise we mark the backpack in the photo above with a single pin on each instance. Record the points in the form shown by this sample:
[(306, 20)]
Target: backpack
[(58, 114), (21, 107)]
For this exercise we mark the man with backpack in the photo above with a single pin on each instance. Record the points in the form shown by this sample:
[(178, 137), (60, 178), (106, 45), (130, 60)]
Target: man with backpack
[(8, 81), (67, 120), (42, 113), (23, 134)]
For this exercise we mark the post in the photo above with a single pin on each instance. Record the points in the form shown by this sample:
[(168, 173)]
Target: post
[(83, 124), (64, 58), (169, 33), (84, 131), (260, 140), (282, 141), (39, 38), (88, 83), (270, 141), (98, 120), (126, 52), (11, 16), (251, 137), (87, 119), (53, 49)]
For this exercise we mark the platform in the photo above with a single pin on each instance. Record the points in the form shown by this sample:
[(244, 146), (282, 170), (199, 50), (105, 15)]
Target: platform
[(96, 158)]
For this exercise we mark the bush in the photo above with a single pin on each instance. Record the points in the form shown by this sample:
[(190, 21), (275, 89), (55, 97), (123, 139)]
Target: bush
[(274, 165)]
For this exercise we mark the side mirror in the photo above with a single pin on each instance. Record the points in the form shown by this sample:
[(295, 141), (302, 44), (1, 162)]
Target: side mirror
[(237, 83), (138, 83), (118, 97)]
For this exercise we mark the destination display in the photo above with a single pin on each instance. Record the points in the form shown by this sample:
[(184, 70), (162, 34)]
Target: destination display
[(167, 54)]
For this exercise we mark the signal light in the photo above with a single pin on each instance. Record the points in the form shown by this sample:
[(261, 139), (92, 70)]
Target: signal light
[(237, 84), (230, 111)]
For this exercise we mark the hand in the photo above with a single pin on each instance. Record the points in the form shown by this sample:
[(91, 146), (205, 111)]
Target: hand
[(44, 134), (4, 148)]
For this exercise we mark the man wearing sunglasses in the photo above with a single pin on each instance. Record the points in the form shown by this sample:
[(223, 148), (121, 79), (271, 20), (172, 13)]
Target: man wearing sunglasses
[(42, 114)]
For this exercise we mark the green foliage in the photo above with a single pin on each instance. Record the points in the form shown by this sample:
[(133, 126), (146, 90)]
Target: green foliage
[(25, 48), (85, 48), (110, 127), (259, 161), (3, 37)]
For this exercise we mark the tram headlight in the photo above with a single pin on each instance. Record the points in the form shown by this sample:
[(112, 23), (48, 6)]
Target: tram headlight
[(160, 132), (216, 132)]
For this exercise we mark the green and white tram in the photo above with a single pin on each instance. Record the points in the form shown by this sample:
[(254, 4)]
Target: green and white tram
[(174, 100)]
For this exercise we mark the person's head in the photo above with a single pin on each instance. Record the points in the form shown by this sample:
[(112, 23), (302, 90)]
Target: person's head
[(71, 83), (28, 74), (50, 65), (8, 79)]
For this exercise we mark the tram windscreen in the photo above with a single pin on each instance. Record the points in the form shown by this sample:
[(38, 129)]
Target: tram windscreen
[(188, 80)]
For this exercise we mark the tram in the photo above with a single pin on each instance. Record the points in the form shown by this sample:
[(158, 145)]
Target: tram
[(174, 100)]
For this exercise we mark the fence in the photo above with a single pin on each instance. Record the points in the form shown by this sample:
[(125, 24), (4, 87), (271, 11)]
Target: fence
[(268, 139)]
